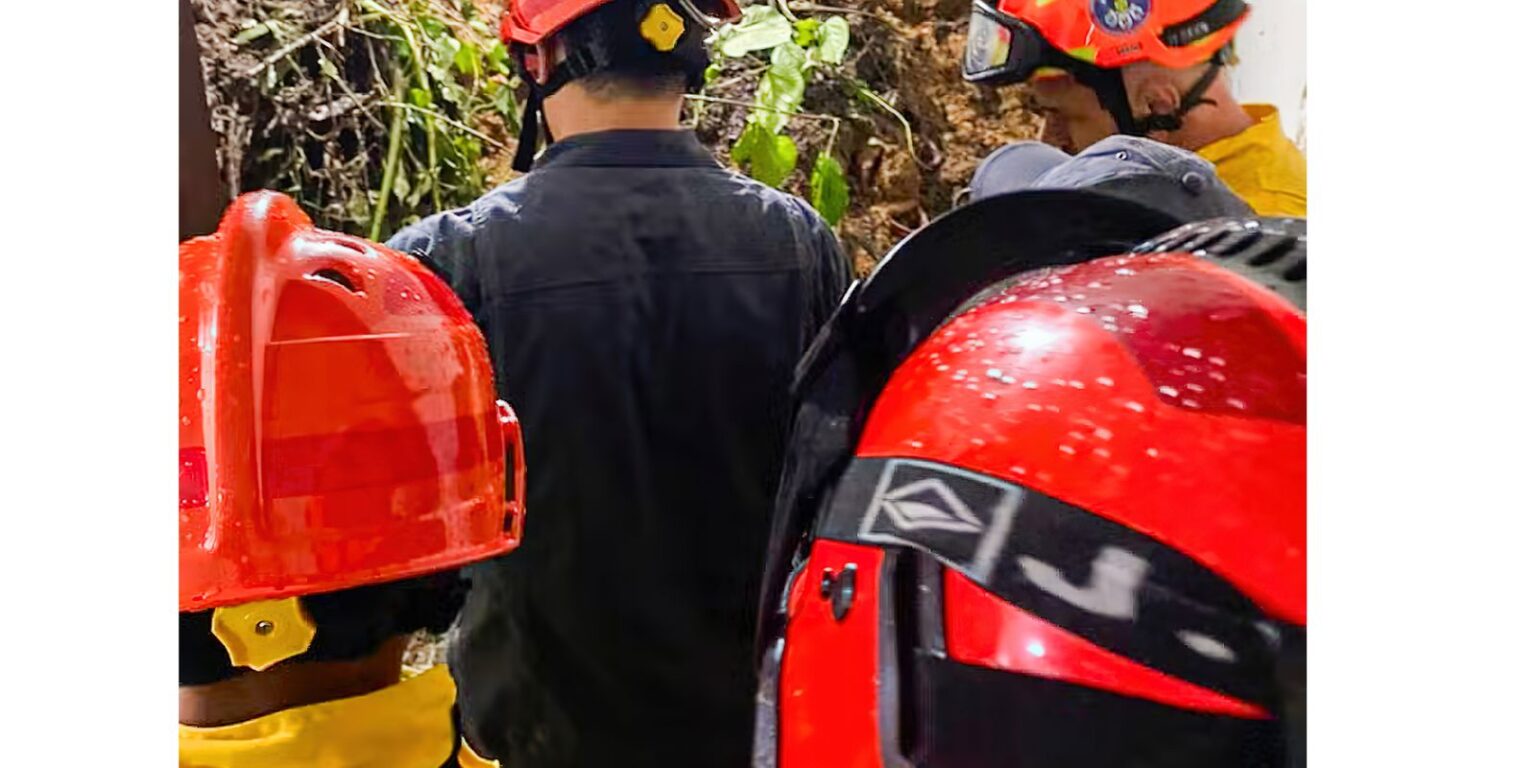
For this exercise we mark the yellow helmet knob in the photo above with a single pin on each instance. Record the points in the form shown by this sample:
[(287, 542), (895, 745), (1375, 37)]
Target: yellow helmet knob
[(662, 27), (265, 632)]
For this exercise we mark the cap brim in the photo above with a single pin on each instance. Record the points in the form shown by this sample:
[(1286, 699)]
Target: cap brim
[(1014, 167)]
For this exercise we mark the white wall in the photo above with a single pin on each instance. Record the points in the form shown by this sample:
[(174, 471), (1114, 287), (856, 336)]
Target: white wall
[(1272, 56)]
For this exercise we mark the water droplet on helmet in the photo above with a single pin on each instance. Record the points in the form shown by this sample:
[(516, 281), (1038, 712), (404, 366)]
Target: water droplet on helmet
[(1153, 452), (1132, 405), (1137, 310), (186, 421), (1103, 434), (994, 373), (1192, 352), (1105, 381), (1031, 385), (1067, 449), (1169, 391)]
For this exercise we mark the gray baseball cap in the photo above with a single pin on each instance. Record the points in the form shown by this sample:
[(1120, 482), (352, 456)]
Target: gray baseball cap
[(1175, 181)]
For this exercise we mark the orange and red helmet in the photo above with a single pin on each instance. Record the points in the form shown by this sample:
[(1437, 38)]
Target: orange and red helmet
[(1012, 40), (339, 422), (1046, 506)]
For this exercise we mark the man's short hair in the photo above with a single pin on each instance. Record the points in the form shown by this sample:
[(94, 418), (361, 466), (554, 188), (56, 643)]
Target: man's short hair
[(350, 624)]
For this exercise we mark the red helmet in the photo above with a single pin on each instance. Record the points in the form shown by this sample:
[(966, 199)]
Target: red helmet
[(1011, 40), (1058, 521), (633, 31), (339, 424), (532, 21)]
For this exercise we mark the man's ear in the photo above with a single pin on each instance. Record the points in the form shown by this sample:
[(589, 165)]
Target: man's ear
[(1152, 90)]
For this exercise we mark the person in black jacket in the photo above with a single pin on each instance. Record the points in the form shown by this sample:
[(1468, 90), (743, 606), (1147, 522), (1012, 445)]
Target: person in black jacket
[(645, 308)]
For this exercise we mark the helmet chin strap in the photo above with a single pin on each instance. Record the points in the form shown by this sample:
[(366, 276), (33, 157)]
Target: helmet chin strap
[(1109, 86)]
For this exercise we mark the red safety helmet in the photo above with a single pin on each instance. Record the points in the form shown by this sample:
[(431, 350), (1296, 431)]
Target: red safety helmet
[(647, 30), (528, 22), (1011, 40), (1059, 521), (339, 423)]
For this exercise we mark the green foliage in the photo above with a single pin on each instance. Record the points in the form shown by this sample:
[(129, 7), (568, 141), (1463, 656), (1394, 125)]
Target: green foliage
[(829, 189), (770, 156), (797, 48), (371, 118), (761, 28)]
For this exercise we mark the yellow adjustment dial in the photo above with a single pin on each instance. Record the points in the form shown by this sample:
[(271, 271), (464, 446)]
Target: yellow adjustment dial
[(262, 633), (662, 27)]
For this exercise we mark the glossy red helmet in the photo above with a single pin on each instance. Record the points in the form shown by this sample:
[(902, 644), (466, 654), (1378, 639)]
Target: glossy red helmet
[(339, 424), (1072, 527)]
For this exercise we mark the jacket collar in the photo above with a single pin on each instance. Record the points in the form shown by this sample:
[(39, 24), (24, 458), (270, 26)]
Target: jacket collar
[(407, 725), (628, 148)]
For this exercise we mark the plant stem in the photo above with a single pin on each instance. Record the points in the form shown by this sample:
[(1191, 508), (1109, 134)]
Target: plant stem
[(448, 120), (391, 163), (404, 25)]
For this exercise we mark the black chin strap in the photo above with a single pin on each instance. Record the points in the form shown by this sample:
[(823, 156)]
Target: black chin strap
[(580, 61), (1109, 86), (1194, 98)]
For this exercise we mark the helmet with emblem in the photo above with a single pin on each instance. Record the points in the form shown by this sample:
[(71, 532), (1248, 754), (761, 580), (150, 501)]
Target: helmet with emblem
[(654, 36), (340, 432), (1045, 501), (1013, 40)]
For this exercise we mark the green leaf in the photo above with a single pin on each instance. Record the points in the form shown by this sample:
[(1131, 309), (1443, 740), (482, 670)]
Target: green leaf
[(711, 73), (805, 32), (782, 88), (761, 27), (328, 69), (829, 189), (833, 41), (467, 59), (769, 158), (251, 33), (496, 58), (420, 98)]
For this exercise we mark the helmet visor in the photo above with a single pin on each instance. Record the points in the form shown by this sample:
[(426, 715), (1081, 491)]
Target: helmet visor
[(999, 49)]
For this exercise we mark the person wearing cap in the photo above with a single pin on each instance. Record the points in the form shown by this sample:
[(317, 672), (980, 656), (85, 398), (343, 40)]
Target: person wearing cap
[(645, 309), (342, 455), (1172, 180), (1141, 68)]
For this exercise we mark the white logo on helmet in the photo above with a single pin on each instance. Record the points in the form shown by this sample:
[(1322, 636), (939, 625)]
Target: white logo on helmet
[(1110, 591), (909, 513)]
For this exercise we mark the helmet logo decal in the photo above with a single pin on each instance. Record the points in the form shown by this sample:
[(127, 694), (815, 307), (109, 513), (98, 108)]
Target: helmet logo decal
[(1121, 17), (1111, 590), (944, 509), (909, 508)]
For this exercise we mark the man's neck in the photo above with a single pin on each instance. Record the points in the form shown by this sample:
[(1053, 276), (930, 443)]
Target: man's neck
[(1208, 124), (287, 686), (573, 111)]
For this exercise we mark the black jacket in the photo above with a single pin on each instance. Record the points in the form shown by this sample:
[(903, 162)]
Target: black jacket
[(645, 309)]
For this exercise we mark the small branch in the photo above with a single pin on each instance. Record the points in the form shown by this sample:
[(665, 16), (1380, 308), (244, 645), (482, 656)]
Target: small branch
[(391, 164), (448, 120), (739, 103), (339, 19), (815, 8)]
